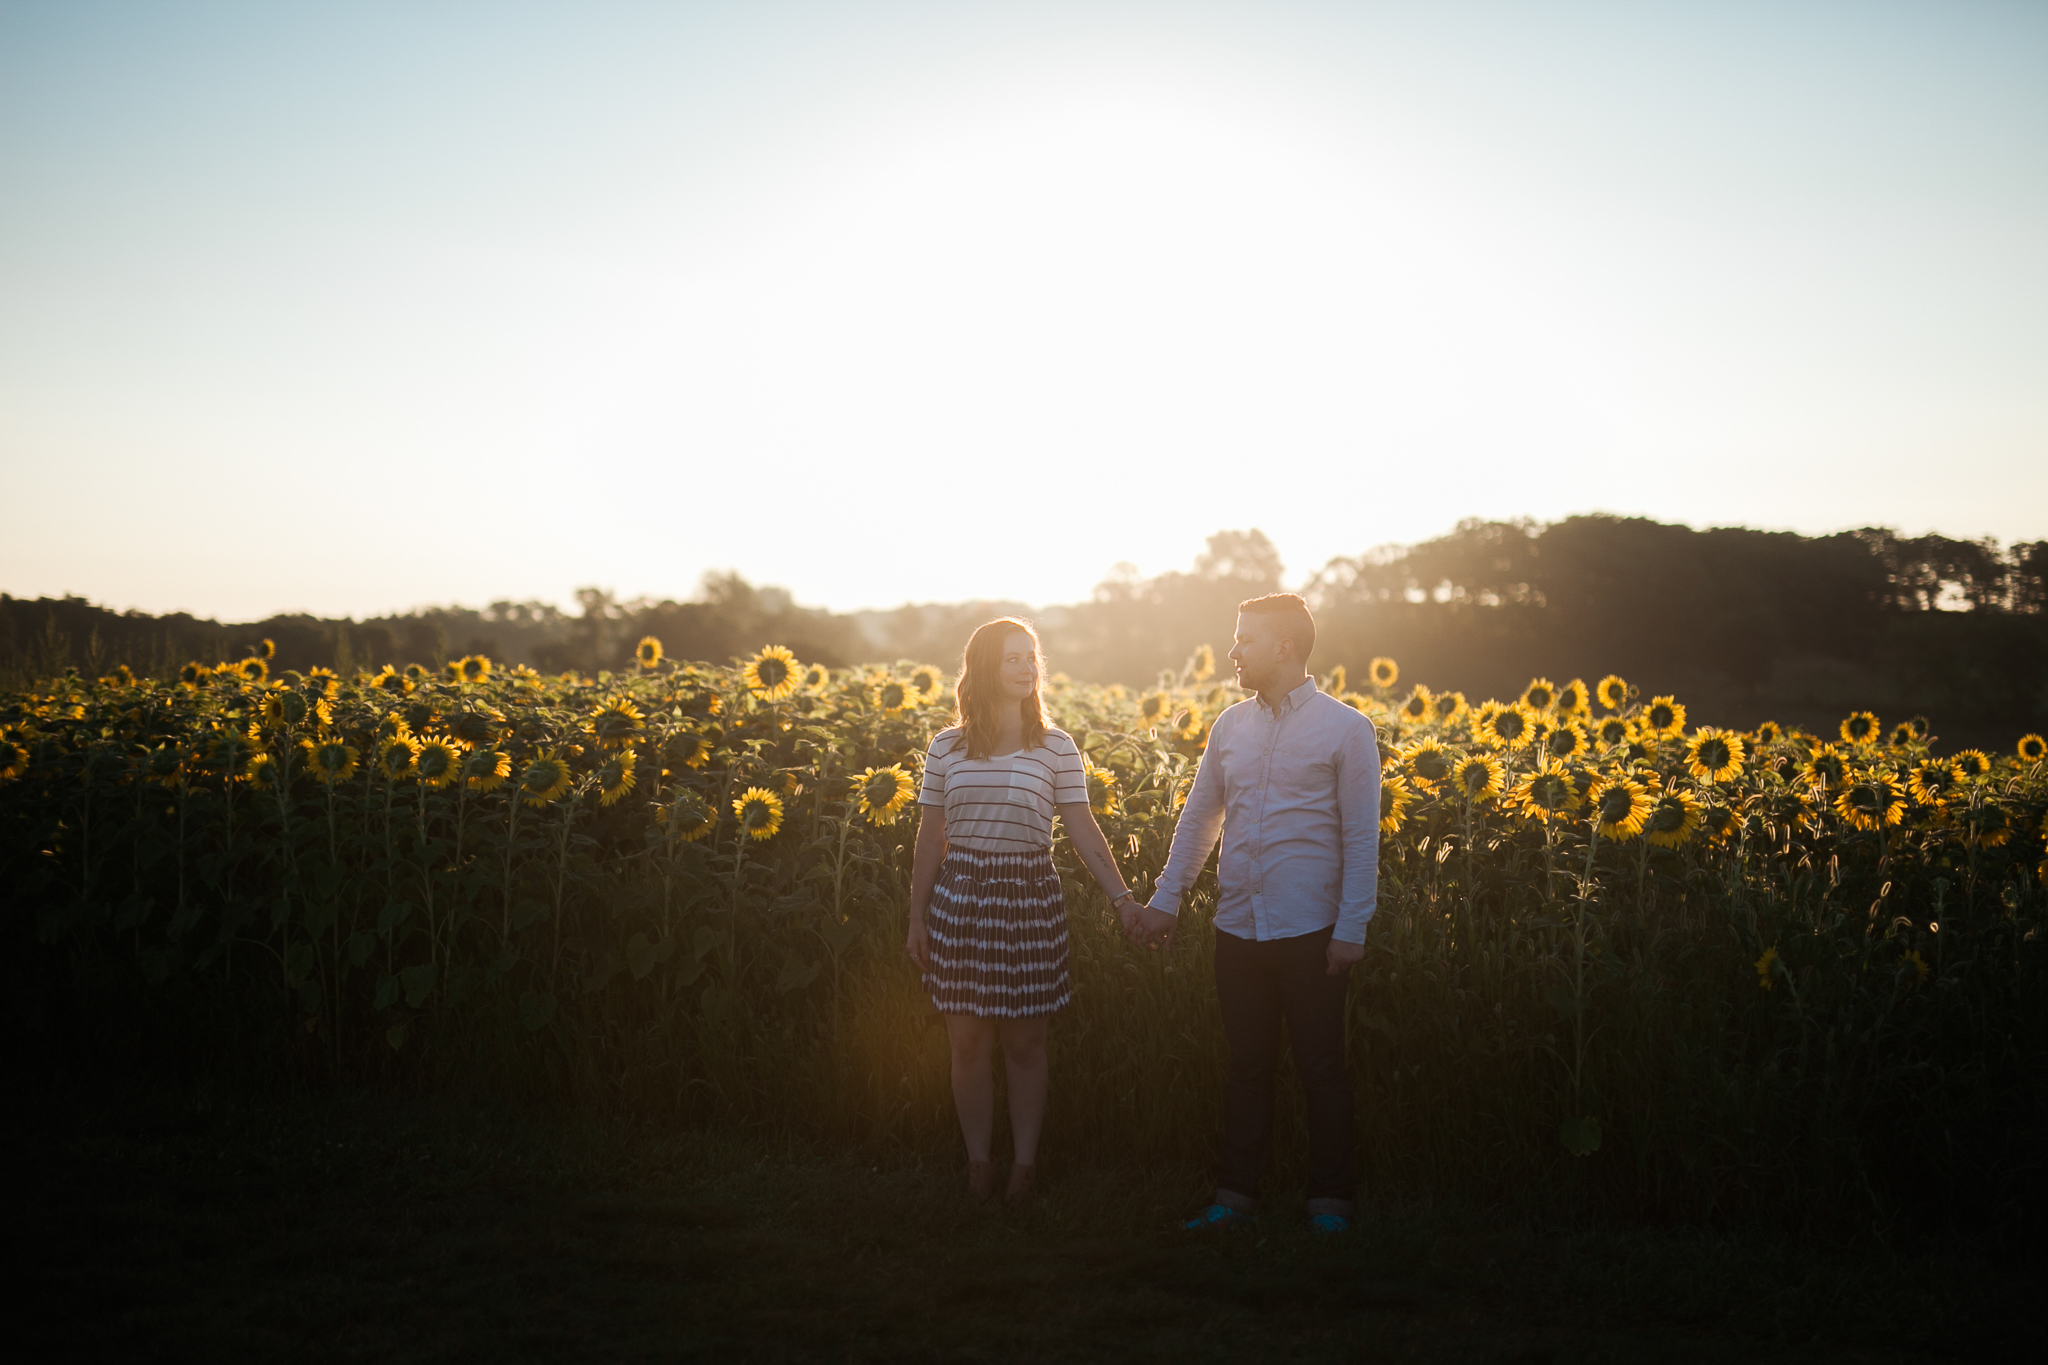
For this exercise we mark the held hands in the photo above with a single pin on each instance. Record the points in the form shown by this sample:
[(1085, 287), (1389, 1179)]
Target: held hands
[(1149, 928)]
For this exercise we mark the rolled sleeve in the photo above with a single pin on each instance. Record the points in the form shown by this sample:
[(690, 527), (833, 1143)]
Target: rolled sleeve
[(1194, 834)]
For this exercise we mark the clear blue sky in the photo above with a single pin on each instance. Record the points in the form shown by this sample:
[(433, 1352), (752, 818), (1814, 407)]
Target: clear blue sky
[(352, 307)]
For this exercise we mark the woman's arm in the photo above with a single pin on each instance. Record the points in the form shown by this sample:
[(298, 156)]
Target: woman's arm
[(1087, 839), (924, 874)]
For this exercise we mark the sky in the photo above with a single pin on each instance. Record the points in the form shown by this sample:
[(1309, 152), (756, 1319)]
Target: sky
[(351, 308)]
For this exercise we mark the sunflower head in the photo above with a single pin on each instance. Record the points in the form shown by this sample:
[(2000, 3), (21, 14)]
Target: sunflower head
[(615, 724), (647, 653), (329, 760), (1860, 727), (160, 765), (1102, 795), (928, 681), (893, 695), (194, 674), (1547, 793), (882, 793), (1504, 727), (1429, 761), (1567, 740), (1384, 673), (1477, 777), (2031, 749), (1871, 801), (1202, 664), (615, 777), (1933, 782), (816, 678), (1718, 822), (260, 772), (252, 669), (416, 674), (284, 707), (1673, 819), (1714, 755), (1972, 764), (477, 727), (437, 762), (1573, 699), (1612, 692), (395, 755), (688, 816), (485, 770), (546, 779), (1900, 736), (1770, 732), (1539, 694), (772, 674), (1449, 708), (470, 668), (14, 759), (685, 748), (1663, 718), (1420, 706), (1154, 708), (1620, 807), (1826, 768), (759, 812), (1396, 796), (389, 679)]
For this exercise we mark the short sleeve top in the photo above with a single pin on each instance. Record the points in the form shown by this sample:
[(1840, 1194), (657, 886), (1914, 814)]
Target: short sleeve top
[(1002, 804)]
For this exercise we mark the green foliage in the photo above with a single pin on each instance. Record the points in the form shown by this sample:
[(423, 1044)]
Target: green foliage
[(1758, 1010)]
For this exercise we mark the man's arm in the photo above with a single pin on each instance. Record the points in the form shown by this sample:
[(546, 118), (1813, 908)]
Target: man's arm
[(1358, 814), (1194, 834)]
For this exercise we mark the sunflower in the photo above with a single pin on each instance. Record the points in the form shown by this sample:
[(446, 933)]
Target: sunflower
[(1573, 699), (1920, 727), (1674, 818), (882, 793), (772, 674), (760, 812), (648, 652), (1546, 794), (1860, 727), (1770, 732), (1202, 664), (928, 681), (615, 724), (1620, 807), (1718, 822), (1972, 763), (1566, 740), (486, 769), (1421, 704), (546, 779), (477, 727), (1396, 796), (1825, 769), (816, 678), (1872, 801), (689, 815), (437, 762), (2031, 749), (324, 682), (615, 777), (194, 673), (523, 676), (417, 674), (1428, 761), (395, 756), (283, 706), (1763, 967), (252, 669), (122, 676), (161, 765), (1101, 788), (686, 749), (330, 760), (1932, 783), (470, 668), (1612, 732), (13, 761), (1901, 736), (1714, 755), (1663, 718), (1989, 826), (893, 695), (1539, 694), (1154, 708), (1503, 726), (1384, 673), (260, 772), (1189, 727), (1450, 708), (1478, 776), (1612, 692), (389, 679)]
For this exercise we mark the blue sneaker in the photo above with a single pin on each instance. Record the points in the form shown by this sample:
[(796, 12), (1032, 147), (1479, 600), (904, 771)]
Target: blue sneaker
[(1328, 1222), (1218, 1216)]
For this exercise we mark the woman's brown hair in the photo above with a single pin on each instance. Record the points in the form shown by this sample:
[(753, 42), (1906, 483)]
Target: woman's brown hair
[(980, 689)]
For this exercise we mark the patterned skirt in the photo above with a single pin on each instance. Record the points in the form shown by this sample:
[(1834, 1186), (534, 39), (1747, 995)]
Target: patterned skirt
[(998, 927)]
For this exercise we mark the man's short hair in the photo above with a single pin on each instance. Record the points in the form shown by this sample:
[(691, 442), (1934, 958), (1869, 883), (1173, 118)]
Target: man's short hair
[(1295, 622)]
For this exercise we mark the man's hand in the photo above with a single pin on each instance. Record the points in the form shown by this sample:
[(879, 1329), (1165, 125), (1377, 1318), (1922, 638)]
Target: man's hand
[(1342, 956), (1154, 928)]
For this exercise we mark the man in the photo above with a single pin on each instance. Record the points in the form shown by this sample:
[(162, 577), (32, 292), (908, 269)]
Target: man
[(1291, 778)]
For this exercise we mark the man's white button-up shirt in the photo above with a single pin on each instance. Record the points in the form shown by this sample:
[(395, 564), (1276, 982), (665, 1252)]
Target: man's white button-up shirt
[(1295, 792)]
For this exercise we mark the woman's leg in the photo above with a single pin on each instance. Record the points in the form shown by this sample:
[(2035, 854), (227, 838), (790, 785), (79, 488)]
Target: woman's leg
[(972, 1041), (1024, 1064)]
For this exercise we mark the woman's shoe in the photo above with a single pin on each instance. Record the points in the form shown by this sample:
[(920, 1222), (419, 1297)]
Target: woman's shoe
[(981, 1180), (1022, 1178)]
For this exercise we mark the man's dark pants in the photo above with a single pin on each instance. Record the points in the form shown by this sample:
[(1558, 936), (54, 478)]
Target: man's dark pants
[(1258, 985)]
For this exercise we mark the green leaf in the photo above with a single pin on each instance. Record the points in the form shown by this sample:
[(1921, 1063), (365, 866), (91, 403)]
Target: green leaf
[(392, 915), (360, 945), (419, 983), (639, 956), (689, 972), (839, 935), (387, 991), (1580, 1136), (298, 962), (704, 940), (395, 1035), (796, 975), (536, 1008), (528, 911)]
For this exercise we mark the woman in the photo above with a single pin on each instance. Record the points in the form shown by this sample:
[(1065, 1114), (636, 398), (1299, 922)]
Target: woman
[(987, 922)]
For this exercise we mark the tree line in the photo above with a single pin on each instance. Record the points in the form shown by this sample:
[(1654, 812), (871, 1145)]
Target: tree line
[(1742, 624)]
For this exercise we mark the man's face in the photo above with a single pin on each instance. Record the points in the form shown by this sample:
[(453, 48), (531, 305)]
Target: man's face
[(1261, 654)]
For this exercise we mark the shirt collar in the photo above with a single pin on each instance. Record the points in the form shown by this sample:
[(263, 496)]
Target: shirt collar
[(1294, 700)]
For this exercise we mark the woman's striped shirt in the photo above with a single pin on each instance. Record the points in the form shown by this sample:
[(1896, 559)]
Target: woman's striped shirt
[(1002, 804)]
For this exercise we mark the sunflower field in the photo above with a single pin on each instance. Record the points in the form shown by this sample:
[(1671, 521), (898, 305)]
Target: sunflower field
[(1621, 963)]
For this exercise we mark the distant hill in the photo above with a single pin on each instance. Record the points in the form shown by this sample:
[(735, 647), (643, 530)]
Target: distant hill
[(1740, 624)]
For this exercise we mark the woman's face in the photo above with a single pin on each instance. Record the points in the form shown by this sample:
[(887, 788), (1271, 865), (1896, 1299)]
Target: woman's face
[(1019, 672)]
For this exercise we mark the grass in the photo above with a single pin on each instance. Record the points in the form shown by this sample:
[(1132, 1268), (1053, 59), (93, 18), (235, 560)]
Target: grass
[(371, 1227)]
